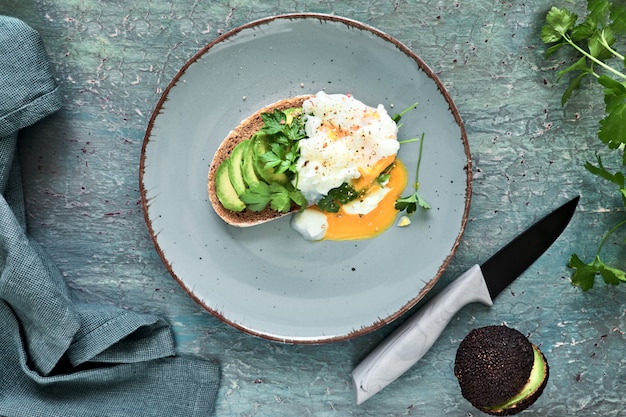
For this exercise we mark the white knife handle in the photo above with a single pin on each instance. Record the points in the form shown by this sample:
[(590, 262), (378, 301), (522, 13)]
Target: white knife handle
[(409, 342)]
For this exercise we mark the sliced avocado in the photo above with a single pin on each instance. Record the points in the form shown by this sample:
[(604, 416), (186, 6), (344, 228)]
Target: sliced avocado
[(249, 174), (261, 146), (224, 188), (235, 172), (291, 113)]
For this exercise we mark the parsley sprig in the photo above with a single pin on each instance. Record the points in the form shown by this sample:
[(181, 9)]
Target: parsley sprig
[(593, 39)]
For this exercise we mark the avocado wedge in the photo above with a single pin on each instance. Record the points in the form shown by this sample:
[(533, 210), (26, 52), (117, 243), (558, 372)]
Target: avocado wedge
[(235, 172), (225, 191), (261, 146)]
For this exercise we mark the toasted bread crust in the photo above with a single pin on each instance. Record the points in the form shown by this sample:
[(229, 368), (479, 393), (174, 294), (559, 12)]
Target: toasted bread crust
[(244, 131)]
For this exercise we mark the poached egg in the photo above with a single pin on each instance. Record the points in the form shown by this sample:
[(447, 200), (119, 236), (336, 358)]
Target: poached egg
[(348, 142)]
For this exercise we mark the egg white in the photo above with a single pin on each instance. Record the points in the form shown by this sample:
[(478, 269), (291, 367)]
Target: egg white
[(344, 138)]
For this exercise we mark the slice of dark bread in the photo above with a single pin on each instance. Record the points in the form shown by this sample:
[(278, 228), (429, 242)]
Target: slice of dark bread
[(244, 131)]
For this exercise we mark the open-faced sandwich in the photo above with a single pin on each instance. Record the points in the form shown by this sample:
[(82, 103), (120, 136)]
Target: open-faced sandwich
[(329, 158)]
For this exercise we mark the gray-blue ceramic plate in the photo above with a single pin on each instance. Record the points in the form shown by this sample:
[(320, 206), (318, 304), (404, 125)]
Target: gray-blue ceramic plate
[(266, 280)]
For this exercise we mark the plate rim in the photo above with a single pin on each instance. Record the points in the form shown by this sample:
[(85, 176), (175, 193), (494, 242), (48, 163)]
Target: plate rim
[(322, 17)]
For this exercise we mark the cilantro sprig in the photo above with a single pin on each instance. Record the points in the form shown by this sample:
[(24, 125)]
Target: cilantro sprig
[(593, 39), (411, 202), (278, 196), (284, 131)]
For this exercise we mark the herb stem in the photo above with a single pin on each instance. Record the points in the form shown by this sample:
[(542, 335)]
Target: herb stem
[(608, 234), (396, 117), (419, 162), (604, 43), (411, 107), (592, 58), (402, 142)]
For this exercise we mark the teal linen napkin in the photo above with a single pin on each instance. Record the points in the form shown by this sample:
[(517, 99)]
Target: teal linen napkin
[(58, 356)]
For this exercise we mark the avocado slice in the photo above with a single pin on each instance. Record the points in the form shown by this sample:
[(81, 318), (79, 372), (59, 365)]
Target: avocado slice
[(235, 172), (261, 146), (249, 174), (224, 188), (291, 113)]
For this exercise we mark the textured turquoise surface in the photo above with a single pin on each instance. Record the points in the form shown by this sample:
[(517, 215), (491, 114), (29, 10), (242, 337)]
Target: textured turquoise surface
[(113, 59)]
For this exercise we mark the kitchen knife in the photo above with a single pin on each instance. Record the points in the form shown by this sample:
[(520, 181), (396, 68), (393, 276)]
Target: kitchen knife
[(413, 338)]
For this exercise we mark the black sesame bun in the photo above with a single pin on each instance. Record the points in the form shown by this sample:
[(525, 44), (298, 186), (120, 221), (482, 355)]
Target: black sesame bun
[(500, 372)]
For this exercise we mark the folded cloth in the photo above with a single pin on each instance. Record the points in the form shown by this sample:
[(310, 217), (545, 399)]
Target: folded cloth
[(58, 356)]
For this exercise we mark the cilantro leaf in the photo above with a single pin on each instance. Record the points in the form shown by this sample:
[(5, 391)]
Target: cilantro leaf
[(618, 18), (411, 203), (415, 200), (282, 133), (273, 122), (593, 40), (558, 23), (585, 274), (612, 125), (257, 196), (277, 196)]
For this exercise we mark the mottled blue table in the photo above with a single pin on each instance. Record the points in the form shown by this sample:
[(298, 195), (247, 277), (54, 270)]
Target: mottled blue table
[(114, 58)]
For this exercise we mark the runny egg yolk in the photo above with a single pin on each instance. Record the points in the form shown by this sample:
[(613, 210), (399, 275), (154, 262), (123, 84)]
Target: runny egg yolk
[(347, 142), (345, 226)]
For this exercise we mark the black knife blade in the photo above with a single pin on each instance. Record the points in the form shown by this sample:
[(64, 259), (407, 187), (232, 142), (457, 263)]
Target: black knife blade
[(513, 259)]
